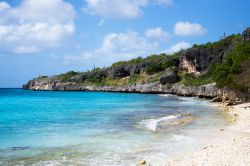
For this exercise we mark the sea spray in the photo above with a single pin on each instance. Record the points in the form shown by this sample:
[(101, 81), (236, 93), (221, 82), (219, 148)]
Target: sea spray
[(154, 124)]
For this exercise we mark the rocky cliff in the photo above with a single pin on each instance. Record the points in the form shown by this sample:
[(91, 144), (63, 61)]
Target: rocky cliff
[(209, 91), (154, 74)]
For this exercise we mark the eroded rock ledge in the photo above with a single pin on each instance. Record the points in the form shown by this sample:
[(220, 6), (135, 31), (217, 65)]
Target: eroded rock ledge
[(209, 91)]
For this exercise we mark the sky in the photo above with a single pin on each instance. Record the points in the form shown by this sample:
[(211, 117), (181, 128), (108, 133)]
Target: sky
[(48, 37)]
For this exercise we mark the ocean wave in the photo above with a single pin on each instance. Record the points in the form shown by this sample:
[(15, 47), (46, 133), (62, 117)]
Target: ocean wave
[(178, 137), (154, 124), (165, 95)]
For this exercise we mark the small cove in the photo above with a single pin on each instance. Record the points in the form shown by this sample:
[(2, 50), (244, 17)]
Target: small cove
[(97, 128)]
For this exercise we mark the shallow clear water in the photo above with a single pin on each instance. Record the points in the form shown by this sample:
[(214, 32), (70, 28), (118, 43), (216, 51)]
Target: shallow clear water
[(94, 128)]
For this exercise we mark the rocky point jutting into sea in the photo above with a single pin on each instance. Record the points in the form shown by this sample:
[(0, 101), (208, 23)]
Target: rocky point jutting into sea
[(186, 73)]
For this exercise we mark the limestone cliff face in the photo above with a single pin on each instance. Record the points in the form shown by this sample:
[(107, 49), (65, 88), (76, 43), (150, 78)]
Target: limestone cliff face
[(209, 91), (49, 84), (194, 61), (117, 71)]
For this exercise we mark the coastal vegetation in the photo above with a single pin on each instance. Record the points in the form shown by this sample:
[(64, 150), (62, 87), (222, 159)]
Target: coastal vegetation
[(68, 75), (235, 65), (232, 71), (225, 62)]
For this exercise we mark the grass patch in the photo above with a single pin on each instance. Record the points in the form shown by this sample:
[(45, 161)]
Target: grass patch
[(198, 81)]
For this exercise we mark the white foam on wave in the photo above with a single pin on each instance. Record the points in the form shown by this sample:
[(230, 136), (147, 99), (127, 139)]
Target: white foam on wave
[(165, 95), (178, 137), (153, 124)]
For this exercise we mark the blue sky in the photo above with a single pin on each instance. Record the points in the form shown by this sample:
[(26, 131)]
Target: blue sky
[(54, 36)]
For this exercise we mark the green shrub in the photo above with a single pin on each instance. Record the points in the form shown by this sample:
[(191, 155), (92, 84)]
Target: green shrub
[(158, 63), (222, 43), (155, 63), (243, 79), (41, 77), (119, 63), (132, 61), (225, 74), (133, 79), (197, 81), (68, 75)]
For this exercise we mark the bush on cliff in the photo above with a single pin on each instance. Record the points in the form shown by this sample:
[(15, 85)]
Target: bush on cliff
[(158, 63), (68, 75), (132, 61), (226, 42), (197, 81), (154, 63), (236, 63), (223, 73)]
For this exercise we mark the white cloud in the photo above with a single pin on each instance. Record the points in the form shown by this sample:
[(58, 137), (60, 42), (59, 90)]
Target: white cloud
[(26, 49), (126, 44), (34, 26), (119, 9), (177, 47), (189, 29), (164, 2), (122, 9), (115, 47), (157, 33), (4, 6), (101, 23)]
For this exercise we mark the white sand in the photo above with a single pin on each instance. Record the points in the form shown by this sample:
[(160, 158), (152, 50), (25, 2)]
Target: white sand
[(230, 148)]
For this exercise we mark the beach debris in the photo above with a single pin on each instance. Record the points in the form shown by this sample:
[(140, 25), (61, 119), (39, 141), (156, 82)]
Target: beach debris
[(205, 147), (236, 115), (188, 114), (141, 162), (222, 129)]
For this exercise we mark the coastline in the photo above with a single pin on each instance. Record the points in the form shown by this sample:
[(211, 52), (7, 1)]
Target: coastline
[(131, 142), (225, 138), (231, 144), (230, 148), (208, 91)]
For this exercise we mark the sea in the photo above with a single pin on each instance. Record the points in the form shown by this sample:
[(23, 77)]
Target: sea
[(56, 128)]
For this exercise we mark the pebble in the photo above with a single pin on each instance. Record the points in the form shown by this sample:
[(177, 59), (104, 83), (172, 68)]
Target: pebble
[(142, 162)]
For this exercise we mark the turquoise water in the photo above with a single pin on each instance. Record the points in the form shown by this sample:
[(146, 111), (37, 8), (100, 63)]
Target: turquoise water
[(94, 128)]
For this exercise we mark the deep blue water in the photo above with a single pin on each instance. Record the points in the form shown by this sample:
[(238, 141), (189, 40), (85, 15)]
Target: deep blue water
[(93, 128)]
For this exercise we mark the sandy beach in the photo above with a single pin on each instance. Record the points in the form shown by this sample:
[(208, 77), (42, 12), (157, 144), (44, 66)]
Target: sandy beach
[(230, 148)]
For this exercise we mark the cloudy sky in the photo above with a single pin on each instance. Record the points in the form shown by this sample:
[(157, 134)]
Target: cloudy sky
[(47, 37)]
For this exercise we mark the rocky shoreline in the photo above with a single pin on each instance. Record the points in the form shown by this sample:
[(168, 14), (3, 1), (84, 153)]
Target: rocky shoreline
[(159, 74), (209, 91)]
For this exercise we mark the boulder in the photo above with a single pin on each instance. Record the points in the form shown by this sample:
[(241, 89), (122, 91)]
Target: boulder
[(169, 77)]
